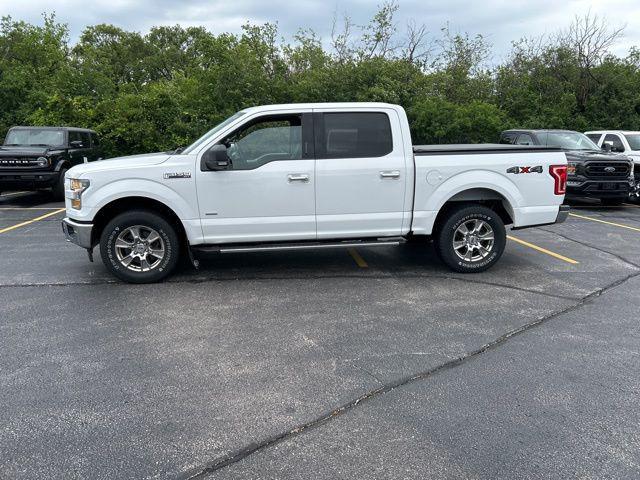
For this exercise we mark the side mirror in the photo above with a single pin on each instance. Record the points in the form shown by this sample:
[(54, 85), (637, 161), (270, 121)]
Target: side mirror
[(76, 144), (216, 159), (606, 147)]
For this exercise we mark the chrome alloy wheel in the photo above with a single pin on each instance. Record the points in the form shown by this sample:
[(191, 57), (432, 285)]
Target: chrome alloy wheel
[(473, 240), (139, 248)]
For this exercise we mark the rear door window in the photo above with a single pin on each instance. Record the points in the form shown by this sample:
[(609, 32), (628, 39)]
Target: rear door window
[(353, 135)]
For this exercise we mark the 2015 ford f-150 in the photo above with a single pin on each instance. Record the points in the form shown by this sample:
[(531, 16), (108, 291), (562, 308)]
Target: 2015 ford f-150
[(308, 176)]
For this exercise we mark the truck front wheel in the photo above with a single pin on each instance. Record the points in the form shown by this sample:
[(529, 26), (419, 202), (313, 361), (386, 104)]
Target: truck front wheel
[(139, 247), (470, 238)]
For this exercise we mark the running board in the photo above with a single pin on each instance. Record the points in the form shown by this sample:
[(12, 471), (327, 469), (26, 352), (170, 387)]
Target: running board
[(273, 247)]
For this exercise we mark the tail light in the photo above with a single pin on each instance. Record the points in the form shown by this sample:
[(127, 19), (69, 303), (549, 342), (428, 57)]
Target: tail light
[(559, 174)]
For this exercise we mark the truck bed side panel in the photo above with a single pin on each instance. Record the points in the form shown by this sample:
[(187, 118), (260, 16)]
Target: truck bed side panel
[(528, 195)]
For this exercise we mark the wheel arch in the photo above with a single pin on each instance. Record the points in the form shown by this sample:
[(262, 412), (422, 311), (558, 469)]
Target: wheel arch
[(485, 196), (123, 204)]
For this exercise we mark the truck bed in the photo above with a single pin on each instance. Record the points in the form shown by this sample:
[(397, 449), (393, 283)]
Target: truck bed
[(470, 148)]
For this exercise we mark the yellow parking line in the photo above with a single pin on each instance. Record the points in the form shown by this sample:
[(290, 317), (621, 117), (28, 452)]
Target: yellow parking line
[(13, 227), (636, 229), (544, 250), (358, 259)]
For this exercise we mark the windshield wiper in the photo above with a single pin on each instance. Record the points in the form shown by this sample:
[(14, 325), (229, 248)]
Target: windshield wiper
[(12, 144), (39, 145)]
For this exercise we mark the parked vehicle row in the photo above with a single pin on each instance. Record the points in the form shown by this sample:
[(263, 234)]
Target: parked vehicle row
[(623, 142), (35, 158), (592, 171), (289, 177), (285, 177)]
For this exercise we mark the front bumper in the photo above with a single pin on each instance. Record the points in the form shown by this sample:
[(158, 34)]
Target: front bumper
[(78, 233), (21, 179), (599, 188)]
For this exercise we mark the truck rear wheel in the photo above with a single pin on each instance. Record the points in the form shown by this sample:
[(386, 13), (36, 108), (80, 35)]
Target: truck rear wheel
[(139, 247), (471, 238)]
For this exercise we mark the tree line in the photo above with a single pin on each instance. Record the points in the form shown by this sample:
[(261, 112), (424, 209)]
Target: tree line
[(163, 89)]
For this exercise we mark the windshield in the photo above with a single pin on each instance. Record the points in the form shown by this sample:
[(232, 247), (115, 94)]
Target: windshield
[(567, 140), (36, 137), (212, 132), (634, 140)]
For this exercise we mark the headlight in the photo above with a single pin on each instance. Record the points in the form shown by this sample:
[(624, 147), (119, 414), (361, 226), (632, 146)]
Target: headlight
[(76, 188), (571, 168), (42, 161)]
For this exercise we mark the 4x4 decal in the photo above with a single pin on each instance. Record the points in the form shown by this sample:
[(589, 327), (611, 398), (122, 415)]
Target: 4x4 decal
[(518, 170)]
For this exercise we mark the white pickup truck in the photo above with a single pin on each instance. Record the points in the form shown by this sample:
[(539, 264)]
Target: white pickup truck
[(322, 175)]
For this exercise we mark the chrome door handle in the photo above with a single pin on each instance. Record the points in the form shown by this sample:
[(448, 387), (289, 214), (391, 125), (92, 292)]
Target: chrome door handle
[(390, 174), (298, 178)]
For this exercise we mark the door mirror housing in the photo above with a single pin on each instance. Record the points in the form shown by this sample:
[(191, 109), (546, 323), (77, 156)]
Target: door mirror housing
[(76, 144), (606, 147), (216, 159)]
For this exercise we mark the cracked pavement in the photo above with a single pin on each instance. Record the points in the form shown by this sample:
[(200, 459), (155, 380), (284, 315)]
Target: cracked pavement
[(304, 365)]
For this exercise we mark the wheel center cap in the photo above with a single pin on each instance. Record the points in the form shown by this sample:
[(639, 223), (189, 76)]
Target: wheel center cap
[(473, 240), (140, 248)]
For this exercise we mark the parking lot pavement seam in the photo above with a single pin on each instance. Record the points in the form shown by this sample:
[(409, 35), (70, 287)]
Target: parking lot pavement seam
[(584, 244), (255, 447), (392, 275)]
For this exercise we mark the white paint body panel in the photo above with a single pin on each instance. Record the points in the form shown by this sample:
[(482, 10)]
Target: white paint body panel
[(529, 197), (344, 198), (258, 205), (353, 199)]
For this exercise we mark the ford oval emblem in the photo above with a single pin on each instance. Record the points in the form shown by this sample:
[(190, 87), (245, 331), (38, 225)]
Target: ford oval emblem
[(609, 169)]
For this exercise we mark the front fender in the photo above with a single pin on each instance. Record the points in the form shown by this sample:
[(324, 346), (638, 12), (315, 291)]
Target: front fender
[(181, 199)]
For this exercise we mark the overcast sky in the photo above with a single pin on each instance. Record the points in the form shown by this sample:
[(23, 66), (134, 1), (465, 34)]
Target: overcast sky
[(501, 21)]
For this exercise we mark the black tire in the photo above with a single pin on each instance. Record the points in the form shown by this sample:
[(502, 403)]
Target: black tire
[(57, 191), (612, 202), (149, 222), (449, 229)]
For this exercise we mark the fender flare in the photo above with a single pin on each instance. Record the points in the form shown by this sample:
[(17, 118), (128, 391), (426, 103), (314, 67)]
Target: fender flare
[(427, 211)]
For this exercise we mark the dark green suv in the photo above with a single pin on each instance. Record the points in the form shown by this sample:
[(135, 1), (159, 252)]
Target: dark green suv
[(34, 158)]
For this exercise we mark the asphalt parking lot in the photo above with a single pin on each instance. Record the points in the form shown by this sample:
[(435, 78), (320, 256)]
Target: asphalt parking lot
[(367, 363)]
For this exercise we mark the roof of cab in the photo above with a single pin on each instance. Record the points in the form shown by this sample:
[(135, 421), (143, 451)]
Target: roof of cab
[(336, 105), (612, 131), (42, 127), (539, 130)]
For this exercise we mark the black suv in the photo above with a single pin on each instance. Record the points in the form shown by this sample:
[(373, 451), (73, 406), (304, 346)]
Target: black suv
[(34, 158), (591, 172)]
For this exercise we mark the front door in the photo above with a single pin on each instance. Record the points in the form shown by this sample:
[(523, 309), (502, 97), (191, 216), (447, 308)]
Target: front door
[(268, 194), (361, 174)]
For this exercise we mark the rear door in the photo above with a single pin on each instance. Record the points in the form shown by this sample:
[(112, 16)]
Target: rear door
[(361, 173)]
